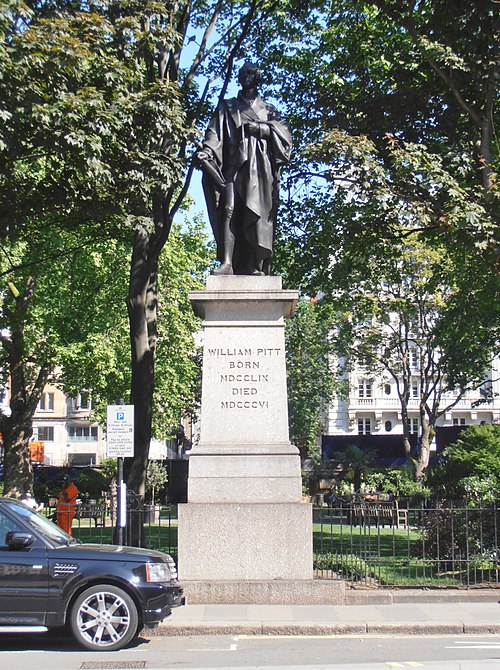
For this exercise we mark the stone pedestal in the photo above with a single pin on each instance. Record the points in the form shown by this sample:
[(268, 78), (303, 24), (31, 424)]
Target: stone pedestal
[(244, 519)]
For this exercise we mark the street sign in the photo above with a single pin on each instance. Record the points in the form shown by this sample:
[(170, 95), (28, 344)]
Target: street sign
[(120, 431)]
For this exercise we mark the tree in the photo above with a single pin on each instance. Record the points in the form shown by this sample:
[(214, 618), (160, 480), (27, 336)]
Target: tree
[(71, 169), (157, 476), (60, 287), (310, 379), (393, 109), (356, 464), (391, 330), (97, 121), (471, 464)]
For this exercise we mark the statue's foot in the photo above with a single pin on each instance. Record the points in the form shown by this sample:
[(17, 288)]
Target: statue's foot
[(224, 269), (256, 273)]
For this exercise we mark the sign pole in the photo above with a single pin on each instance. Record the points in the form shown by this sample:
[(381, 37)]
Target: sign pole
[(120, 444), (119, 507)]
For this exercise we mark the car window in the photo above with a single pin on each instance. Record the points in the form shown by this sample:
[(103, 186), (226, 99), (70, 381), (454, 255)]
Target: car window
[(6, 525), (52, 533)]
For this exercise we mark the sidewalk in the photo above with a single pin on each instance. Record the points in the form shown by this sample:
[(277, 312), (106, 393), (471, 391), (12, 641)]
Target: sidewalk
[(423, 614)]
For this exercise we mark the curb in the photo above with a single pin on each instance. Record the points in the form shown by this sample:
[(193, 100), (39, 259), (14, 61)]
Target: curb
[(416, 628)]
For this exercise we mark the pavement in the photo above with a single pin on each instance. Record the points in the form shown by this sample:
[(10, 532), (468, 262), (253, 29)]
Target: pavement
[(403, 612)]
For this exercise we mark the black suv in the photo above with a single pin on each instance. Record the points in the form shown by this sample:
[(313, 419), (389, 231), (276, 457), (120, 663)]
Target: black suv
[(105, 593)]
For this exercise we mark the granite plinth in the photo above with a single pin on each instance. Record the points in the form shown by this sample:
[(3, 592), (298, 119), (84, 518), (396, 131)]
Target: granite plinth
[(245, 541)]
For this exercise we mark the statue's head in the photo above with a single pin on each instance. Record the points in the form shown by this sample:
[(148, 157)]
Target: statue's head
[(249, 75)]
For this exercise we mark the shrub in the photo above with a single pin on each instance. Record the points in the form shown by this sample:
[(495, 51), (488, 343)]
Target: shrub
[(460, 533), (469, 466), (399, 482), (348, 566)]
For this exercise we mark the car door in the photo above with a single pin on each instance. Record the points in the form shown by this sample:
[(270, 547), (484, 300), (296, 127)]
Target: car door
[(23, 577)]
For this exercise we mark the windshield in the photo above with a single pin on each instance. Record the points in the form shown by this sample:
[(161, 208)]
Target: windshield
[(52, 533)]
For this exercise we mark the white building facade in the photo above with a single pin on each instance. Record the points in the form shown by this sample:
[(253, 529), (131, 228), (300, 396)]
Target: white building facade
[(65, 433), (373, 406)]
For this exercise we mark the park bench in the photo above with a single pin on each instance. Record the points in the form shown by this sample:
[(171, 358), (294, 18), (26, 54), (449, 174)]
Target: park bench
[(380, 512), (94, 511)]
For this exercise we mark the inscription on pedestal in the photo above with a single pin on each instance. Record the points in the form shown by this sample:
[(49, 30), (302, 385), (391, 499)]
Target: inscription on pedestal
[(244, 375)]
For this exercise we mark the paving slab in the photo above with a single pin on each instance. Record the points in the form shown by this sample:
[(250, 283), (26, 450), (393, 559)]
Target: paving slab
[(421, 618)]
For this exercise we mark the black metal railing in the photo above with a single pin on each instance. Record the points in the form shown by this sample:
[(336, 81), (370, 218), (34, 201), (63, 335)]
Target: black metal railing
[(387, 544), (380, 543), (95, 522)]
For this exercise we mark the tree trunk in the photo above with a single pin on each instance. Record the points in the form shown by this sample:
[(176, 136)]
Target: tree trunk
[(141, 303), (18, 472), (422, 461), (25, 391)]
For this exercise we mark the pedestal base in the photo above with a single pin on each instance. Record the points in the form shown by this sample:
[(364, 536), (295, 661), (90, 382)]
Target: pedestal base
[(245, 541)]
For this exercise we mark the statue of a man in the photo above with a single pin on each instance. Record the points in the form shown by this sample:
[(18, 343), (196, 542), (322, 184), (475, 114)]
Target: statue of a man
[(245, 146)]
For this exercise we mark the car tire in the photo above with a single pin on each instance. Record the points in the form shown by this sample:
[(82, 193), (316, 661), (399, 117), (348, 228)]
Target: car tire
[(104, 618)]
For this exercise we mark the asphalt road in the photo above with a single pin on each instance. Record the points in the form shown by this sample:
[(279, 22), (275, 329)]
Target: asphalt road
[(39, 652)]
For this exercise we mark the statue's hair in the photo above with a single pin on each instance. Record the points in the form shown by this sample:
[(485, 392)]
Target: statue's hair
[(258, 73)]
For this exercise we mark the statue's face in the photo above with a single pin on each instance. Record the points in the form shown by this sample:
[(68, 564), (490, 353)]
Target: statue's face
[(249, 76)]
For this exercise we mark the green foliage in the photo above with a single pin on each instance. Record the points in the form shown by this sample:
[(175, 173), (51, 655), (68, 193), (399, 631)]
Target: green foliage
[(90, 482), (310, 378), (356, 464), (78, 120), (451, 534), (156, 478), (345, 566), (109, 468), (393, 113), (399, 482), (470, 466)]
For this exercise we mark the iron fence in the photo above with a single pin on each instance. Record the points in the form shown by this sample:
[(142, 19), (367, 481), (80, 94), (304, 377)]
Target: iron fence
[(385, 544), (95, 522), (370, 543)]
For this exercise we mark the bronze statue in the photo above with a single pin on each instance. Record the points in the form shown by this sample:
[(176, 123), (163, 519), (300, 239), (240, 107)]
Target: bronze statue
[(245, 146)]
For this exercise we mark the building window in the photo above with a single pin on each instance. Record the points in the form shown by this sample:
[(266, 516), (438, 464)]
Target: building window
[(364, 426), (413, 359), (413, 426), (388, 426), (45, 433), (459, 422), (82, 401), (85, 401), (387, 389), (82, 433), (365, 389), (415, 390), (46, 403)]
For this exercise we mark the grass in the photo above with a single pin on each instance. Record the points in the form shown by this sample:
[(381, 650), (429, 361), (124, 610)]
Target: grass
[(387, 556), (364, 554)]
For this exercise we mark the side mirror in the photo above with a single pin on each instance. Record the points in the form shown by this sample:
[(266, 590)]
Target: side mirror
[(18, 540)]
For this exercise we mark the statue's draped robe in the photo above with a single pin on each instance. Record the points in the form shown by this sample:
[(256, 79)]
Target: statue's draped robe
[(253, 164)]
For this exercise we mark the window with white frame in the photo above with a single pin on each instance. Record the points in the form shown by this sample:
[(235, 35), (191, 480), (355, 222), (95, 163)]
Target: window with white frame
[(82, 401), (413, 426), (45, 433), (388, 426), (364, 388), (364, 426), (413, 359), (415, 389), (85, 401), (459, 421), (82, 433), (46, 403)]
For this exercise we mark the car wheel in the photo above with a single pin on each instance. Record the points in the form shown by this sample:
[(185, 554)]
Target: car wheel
[(104, 618)]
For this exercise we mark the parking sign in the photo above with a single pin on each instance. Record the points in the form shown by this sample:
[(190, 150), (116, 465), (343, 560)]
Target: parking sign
[(120, 431)]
